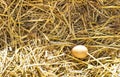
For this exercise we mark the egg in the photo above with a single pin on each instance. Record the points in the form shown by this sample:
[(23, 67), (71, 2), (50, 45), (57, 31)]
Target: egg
[(79, 51)]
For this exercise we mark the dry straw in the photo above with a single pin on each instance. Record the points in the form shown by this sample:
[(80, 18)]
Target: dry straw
[(36, 37)]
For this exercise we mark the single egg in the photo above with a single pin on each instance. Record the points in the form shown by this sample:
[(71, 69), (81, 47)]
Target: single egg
[(80, 51)]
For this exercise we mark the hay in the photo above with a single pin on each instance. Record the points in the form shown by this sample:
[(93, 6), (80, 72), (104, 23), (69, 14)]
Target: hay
[(36, 37)]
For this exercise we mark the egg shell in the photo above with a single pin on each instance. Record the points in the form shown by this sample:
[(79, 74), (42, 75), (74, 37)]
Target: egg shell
[(80, 51)]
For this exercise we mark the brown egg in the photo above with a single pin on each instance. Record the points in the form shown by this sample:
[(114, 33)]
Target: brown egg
[(80, 51)]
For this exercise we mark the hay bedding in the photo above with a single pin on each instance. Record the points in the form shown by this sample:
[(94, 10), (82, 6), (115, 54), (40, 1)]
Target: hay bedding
[(36, 37)]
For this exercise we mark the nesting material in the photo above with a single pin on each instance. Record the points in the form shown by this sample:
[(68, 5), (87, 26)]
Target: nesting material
[(80, 51)]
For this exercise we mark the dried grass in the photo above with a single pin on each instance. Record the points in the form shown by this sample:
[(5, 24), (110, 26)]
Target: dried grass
[(36, 37)]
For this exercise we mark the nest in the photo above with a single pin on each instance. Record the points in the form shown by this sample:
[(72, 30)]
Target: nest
[(36, 37)]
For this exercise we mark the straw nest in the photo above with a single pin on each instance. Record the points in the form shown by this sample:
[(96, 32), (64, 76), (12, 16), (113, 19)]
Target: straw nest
[(36, 37)]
